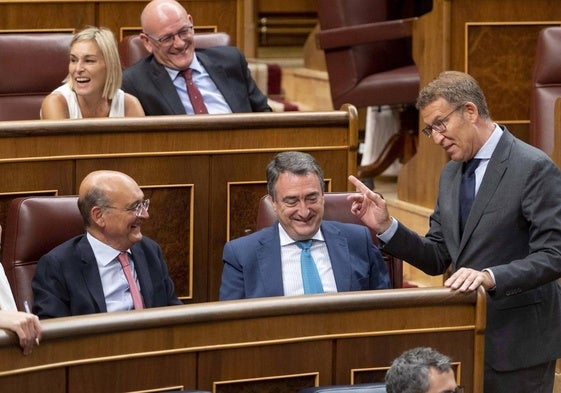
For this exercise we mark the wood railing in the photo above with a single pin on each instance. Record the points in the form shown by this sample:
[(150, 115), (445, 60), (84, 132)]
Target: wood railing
[(267, 345)]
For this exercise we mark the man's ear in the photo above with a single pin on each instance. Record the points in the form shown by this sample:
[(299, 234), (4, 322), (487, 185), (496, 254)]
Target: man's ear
[(146, 42), (96, 216), (471, 110), (274, 205)]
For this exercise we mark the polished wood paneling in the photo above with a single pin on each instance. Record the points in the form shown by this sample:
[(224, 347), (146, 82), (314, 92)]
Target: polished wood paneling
[(127, 375), (203, 174), (249, 368), (511, 45), (40, 15), (52, 381), (225, 15), (267, 345), (495, 42)]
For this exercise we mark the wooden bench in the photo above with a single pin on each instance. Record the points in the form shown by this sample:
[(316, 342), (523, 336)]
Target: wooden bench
[(266, 345)]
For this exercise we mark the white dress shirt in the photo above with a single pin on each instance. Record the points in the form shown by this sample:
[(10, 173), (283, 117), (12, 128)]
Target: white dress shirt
[(115, 286), (290, 259)]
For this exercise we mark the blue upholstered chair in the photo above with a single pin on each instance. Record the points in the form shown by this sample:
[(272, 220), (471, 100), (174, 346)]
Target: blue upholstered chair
[(359, 388)]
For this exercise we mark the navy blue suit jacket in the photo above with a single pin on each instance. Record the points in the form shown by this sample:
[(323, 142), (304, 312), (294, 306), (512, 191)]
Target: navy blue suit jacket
[(67, 280), (252, 264), (149, 81)]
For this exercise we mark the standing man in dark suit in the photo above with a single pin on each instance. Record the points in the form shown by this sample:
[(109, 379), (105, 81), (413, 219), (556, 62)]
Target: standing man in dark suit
[(510, 243), (221, 73), (84, 276), (268, 262)]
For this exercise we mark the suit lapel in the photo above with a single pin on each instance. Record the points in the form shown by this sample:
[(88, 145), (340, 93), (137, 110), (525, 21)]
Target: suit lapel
[(454, 202), (493, 174), (220, 79), (339, 255), (90, 273), (269, 261), (164, 84), (143, 274)]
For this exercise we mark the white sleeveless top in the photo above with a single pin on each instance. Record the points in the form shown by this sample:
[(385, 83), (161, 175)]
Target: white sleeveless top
[(117, 105), (6, 298)]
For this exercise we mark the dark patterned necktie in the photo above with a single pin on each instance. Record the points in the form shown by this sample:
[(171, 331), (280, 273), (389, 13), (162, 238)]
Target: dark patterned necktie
[(194, 93), (467, 190)]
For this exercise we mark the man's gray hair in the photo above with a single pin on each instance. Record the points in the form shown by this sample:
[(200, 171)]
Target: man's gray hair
[(295, 162), (409, 373)]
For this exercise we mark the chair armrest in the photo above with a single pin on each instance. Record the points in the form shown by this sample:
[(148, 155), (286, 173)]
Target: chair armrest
[(341, 37)]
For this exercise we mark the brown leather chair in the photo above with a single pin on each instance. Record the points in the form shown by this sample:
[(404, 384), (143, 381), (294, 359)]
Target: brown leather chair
[(34, 226), (368, 54), (546, 88), (131, 48), (32, 65), (337, 208)]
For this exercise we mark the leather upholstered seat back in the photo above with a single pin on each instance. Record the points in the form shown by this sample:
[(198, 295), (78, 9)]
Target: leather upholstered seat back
[(32, 65), (34, 226), (131, 48), (546, 88)]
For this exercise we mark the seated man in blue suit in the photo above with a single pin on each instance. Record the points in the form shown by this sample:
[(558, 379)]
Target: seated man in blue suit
[(111, 267), (270, 262)]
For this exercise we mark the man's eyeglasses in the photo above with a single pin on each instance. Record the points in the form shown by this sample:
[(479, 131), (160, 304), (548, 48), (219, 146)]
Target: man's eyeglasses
[(439, 125), (138, 208), (459, 389), (168, 39)]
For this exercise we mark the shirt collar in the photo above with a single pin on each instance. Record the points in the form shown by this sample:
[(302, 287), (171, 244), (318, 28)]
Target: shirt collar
[(488, 148), (104, 254), (195, 65), (286, 240)]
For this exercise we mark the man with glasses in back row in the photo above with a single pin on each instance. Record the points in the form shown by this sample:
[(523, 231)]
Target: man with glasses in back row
[(160, 80), (497, 225), (111, 267)]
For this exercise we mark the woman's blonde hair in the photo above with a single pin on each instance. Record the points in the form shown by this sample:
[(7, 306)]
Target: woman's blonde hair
[(107, 44)]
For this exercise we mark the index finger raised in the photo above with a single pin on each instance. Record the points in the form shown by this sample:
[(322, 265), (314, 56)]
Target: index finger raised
[(358, 184)]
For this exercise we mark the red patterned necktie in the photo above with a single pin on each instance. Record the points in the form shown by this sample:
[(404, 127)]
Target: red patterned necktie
[(195, 96), (135, 292)]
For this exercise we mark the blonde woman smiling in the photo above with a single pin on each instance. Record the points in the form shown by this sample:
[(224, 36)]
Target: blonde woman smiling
[(92, 87)]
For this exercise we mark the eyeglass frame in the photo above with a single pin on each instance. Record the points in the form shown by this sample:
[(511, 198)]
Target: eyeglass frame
[(439, 125), (187, 30), (138, 207)]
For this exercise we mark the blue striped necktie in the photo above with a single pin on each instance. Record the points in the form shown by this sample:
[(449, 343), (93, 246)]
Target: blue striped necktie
[(310, 275)]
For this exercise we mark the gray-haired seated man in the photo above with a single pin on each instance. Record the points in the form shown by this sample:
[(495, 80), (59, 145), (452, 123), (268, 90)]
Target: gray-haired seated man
[(421, 370)]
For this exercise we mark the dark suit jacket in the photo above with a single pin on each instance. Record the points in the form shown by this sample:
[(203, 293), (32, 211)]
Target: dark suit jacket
[(514, 228), (149, 81), (252, 264), (67, 280)]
